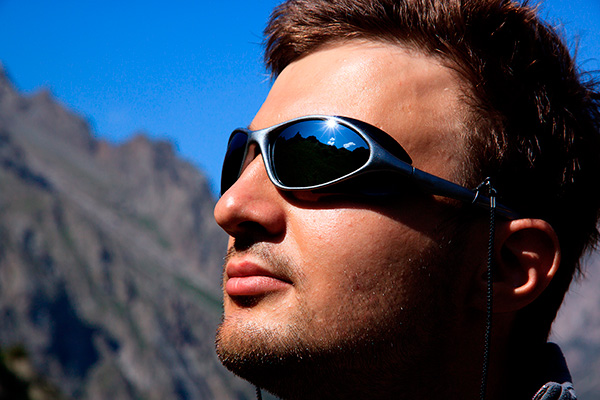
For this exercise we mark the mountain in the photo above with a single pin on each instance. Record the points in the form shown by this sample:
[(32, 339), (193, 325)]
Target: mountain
[(110, 268), (110, 260), (577, 329)]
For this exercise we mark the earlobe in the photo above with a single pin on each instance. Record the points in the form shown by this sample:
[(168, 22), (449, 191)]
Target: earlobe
[(527, 255)]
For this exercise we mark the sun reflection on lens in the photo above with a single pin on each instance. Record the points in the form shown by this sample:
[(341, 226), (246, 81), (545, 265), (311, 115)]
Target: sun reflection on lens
[(331, 123), (329, 132)]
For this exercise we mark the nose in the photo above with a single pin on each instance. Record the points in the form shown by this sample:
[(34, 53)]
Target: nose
[(252, 204)]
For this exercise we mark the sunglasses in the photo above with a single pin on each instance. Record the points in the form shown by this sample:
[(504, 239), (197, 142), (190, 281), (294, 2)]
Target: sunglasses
[(331, 154)]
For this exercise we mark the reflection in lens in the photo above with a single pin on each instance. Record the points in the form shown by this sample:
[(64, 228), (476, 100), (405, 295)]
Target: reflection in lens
[(233, 160), (311, 153)]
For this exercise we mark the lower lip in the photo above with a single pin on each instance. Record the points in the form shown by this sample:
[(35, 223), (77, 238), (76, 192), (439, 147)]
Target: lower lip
[(253, 285)]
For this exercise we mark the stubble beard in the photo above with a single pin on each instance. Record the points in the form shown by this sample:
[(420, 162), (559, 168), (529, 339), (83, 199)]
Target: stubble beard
[(295, 360)]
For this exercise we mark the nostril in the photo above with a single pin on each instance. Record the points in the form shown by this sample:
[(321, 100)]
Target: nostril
[(251, 233)]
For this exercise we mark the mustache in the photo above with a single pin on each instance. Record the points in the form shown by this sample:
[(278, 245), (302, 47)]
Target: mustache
[(272, 258)]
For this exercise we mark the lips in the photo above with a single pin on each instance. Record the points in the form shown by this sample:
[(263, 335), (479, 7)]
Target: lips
[(246, 278)]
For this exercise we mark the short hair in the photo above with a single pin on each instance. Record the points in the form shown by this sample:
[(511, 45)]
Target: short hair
[(535, 119)]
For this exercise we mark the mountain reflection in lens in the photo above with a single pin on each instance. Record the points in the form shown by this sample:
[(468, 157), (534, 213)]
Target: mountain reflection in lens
[(310, 153)]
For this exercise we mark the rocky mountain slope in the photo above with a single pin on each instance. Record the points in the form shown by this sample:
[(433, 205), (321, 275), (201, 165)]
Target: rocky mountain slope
[(577, 330), (110, 264), (110, 260)]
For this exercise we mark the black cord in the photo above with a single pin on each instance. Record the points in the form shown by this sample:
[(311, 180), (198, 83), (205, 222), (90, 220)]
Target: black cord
[(258, 393), (490, 292)]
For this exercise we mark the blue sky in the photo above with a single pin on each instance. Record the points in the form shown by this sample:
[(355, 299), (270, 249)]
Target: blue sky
[(188, 71)]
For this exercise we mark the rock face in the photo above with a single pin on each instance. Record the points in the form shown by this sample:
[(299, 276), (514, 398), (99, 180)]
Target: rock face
[(577, 330), (110, 261)]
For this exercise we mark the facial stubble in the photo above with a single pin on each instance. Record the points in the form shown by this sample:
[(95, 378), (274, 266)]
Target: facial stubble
[(291, 358)]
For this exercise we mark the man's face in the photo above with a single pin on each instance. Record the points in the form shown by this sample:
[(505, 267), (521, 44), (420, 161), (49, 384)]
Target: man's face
[(316, 279)]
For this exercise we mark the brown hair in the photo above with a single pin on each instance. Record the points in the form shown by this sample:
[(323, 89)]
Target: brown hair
[(535, 124)]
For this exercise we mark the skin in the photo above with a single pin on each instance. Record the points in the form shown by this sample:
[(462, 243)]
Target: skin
[(347, 296)]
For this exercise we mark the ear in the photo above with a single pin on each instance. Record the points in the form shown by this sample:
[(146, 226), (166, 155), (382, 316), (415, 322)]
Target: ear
[(527, 256)]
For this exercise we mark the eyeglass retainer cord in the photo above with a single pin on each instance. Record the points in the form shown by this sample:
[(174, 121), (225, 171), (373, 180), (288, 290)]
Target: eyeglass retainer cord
[(258, 393), (491, 193)]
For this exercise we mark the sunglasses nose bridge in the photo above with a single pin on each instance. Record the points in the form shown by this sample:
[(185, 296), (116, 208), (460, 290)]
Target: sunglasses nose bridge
[(258, 145), (252, 152)]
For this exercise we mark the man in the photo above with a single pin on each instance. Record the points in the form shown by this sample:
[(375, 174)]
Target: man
[(351, 275)]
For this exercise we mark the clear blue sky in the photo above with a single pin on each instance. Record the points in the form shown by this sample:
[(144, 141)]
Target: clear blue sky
[(188, 71)]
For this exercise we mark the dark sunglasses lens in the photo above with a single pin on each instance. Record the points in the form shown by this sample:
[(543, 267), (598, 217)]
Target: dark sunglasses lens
[(315, 152), (233, 160)]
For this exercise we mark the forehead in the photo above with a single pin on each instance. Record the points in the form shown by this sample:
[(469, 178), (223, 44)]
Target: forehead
[(411, 96)]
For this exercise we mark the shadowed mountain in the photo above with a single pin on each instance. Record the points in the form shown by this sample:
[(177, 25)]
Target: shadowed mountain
[(577, 330), (110, 261)]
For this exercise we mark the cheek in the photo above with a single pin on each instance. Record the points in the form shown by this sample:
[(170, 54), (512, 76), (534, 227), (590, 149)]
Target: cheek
[(355, 263), (344, 234)]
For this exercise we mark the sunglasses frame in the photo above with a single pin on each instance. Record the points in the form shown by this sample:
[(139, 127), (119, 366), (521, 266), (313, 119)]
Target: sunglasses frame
[(385, 155)]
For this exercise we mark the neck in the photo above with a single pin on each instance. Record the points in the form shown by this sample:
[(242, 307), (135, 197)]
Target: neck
[(452, 371), (516, 365)]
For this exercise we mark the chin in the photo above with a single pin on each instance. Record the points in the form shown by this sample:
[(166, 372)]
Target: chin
[(290, 362)]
